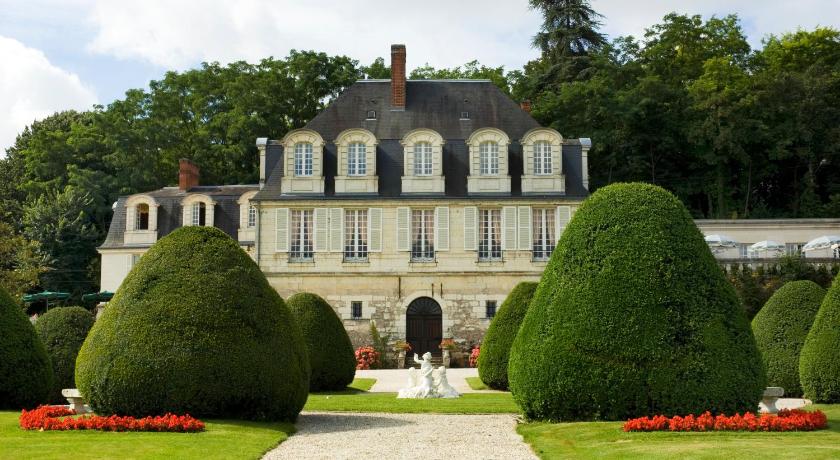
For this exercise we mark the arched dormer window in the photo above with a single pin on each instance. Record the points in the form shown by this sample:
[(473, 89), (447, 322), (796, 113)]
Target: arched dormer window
[(542, 162), (488, 162), (356, 149), (141, 219), (198, 210), (423, 162), (303, 160)]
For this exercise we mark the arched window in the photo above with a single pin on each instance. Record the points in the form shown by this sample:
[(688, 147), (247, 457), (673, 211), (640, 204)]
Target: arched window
[(423, 159), (542, 158), (489, 158), (356, 159), (141, 219), (303, 159), (198, 210), (199, 214)]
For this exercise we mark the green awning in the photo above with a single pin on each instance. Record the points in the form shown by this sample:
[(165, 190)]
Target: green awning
[(103, 296), (46, 295)]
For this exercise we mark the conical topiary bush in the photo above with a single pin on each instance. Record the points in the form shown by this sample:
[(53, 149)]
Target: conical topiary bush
[(819, 362), (330, 351), (62, 331), (495, 348), (633, 317), (195, 328), (780, 328), (25, 372)]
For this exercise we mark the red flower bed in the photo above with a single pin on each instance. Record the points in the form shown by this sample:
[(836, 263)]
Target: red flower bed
[(786, 420), (47, 418), (366, 358)]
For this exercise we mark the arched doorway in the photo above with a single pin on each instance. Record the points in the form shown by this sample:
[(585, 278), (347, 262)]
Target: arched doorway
[(424, 326)]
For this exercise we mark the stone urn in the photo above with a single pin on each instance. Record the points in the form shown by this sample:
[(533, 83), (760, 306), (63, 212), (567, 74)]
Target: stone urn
[(401, 359), (446, 358)]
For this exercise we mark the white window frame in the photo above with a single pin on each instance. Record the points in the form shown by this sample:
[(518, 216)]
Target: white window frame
[(138, 213), (423, 159), (488, 158), (303, 159), (542, 158), (252, 216), (422, 226), (489, 243), (356, 235), (356, 159), (301, 244), (544, 239), (196, 213)]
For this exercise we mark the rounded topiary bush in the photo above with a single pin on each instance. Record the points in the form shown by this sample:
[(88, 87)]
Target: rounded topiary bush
[(195, 328), (633, 317), (25, 372), (780, 328), (495, 348), (819, 362), (330, 351), (63, 330)]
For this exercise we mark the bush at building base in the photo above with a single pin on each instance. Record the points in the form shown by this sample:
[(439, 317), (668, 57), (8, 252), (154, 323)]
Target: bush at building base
[(819, 362), (780, 328), (195, 328), (62, 331), (331, 355), (633, 317), (25, 372), (495, 348)]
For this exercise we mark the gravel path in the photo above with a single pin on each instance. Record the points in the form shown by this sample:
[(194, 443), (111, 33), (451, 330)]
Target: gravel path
[(339, 435)]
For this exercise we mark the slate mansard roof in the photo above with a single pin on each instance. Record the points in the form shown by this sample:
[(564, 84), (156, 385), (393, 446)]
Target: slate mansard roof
[(430, 104)]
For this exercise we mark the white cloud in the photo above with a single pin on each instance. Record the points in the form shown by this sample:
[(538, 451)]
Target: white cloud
[(32, 88)]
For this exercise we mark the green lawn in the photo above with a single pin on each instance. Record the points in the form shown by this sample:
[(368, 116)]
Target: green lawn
[(476, 384), (388, 402), (606, 440), (223, 439), (362, 384)]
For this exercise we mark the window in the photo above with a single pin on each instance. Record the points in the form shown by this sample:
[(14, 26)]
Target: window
[(356, 159), (355, 235), (199, 214), (465, 115), (794, 249), (371, 115), (252, 216), (490, 308), (356, 309), (543, 225), (542, 158), (303, 159), (422, 235), (134, 259), (744, 250), (141, 221), (490, 234), (422, 159), (301, 235), (488, 155)]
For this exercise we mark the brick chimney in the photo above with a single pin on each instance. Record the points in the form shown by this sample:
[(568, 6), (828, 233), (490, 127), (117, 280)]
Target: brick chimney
[(398, 77), (187, 174), (525, 105)]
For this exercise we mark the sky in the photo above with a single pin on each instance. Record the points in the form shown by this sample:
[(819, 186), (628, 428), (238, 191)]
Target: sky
[(72, 54)]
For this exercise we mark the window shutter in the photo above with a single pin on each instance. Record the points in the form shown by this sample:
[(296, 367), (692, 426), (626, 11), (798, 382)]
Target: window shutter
[(403, 229), (187, 215), (525, 230), (336, 229), (282, 229), (375, 229), (319, 215), (470, 228), (442, 228), (509, 228), (561, 219)]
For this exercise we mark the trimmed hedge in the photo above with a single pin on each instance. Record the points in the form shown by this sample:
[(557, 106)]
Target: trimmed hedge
[(63, 330), (495, 348), (633, 317), (25, 372), (195, 328), (780, 328), (819, 363), (330, 351)]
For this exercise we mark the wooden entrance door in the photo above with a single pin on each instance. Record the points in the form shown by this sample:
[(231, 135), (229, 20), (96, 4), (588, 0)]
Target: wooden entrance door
[(424, 326)]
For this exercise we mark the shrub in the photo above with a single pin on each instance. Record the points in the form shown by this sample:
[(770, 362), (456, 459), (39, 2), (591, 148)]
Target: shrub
[(62, 331), (634, 317), (819, 363), (780, 329), (493, 366), (331, 355), (195, 328), (25, 372)]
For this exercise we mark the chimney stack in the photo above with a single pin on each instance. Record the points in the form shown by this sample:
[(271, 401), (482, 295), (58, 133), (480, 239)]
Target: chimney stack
[(398, 77), (525, 105), (187, 174)]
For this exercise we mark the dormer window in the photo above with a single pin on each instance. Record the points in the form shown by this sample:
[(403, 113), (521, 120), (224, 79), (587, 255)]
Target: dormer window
[(356, 159), (199, 214), (371, 114), (489, 158), (465, 115), (198, 210), (542, 158), (542, 162), (423, 159), (141, 220), (303, 159)]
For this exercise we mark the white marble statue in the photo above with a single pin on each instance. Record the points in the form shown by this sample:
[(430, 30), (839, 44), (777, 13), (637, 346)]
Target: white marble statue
[(427, 383), (442, 386)]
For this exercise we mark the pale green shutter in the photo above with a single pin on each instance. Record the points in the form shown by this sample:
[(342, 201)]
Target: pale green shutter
[(470, 228), (442, 228), (320, 216), (403, 229), (561, 219), (525, 230), (375, 229), (336, 229), (509, 228), (281, 225)]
